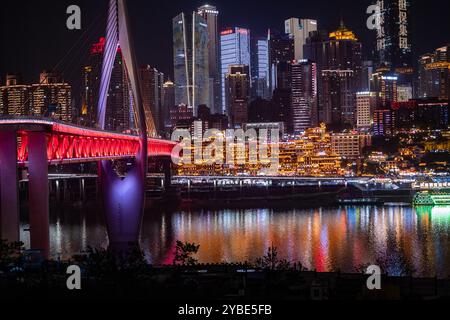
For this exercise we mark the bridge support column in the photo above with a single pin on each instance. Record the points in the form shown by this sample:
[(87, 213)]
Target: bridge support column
[(167, 167), (9, 208), (38, 190)]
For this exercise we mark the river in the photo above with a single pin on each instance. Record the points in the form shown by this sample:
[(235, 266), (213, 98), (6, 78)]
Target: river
[(324, 239)]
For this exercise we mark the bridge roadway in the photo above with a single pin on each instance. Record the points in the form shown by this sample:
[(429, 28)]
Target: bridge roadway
[(68, 143), (36, 143)]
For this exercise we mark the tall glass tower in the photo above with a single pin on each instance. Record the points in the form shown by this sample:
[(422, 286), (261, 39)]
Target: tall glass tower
[(210, 14), (235, 50), (191, 62), (394, 36)]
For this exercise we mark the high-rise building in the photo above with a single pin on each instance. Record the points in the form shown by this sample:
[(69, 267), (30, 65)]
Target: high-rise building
[(92, 77), (339, 95), (385, 85), (51, 97), (14, 97), (299, 30), (366, 75), (237, 94), (191, 60), (394, 36), (260, 68), (434, 74), (235, 50), (118, 116), (337, 51), (152, 82), (383, 122), (168, 102), (303, 95), (210, 14), (365, 106), (281, 50)]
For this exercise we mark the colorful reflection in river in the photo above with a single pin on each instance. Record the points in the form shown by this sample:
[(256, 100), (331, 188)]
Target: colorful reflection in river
[(324, 239)]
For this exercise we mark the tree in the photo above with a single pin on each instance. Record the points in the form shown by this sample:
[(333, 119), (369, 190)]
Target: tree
[(184, 253), (270, 261), (10, 253)]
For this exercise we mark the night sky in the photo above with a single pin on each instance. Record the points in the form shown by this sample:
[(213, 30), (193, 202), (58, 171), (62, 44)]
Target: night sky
[(33, 34)]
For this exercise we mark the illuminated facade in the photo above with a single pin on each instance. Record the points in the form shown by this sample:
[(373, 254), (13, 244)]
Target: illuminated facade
[(365, 106), (51, 97), (434, 74), (152, 82), (349, 145), (260, 68), (394, 36), (210, 14), (339, 95), (191, 60), (303, 95), (235, 50), (14, 97), (309, 154), (237, 94)]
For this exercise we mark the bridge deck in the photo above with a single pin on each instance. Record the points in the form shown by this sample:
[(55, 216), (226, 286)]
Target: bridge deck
[(68, 143)]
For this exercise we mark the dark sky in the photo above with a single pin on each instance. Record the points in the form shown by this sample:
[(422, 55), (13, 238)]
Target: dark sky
[(33, 34)]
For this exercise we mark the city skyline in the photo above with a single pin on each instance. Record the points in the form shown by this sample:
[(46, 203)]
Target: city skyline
[(263, 16)]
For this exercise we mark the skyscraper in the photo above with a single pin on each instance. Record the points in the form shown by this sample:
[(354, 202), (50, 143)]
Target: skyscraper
[(260, 68), (210, 14), (303, 95), (299, 30), (152, 86), (119, 115), (191, 60), (237, 94), (338, 51), (235, 50), (168, 102), (51, 97), (339, 96), (434, 74), (14, 97), (281, 50), (394, 36)]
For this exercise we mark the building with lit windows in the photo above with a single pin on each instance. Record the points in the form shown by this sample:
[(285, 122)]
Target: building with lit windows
[(339, 97), (51, 97), (434, 74), (191, 60), (237, 94), (349, 145), (394, 36), (365, 106), (281, 51), (260, 68), (303, 95), (14, 97), (384, 83), (168, 101), (235, 46), (383, 122), (152, 82), (210, 14)]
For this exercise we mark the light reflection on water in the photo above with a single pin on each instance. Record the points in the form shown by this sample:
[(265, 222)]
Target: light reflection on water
[(324, 239)]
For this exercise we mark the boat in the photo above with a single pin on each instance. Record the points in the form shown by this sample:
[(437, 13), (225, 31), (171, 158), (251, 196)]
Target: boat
[(433, 198)]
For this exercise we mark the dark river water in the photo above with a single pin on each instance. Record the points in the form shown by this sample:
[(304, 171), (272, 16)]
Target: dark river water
[(325, 239)]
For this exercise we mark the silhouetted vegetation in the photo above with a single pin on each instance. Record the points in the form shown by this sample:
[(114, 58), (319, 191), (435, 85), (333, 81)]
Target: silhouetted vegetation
[(184, 253), (10, 254)]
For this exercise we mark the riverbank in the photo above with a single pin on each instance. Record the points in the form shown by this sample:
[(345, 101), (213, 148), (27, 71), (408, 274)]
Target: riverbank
[(231, 282)]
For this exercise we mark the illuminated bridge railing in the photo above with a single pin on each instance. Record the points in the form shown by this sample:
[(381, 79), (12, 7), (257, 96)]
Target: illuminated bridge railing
[(68, 143)]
